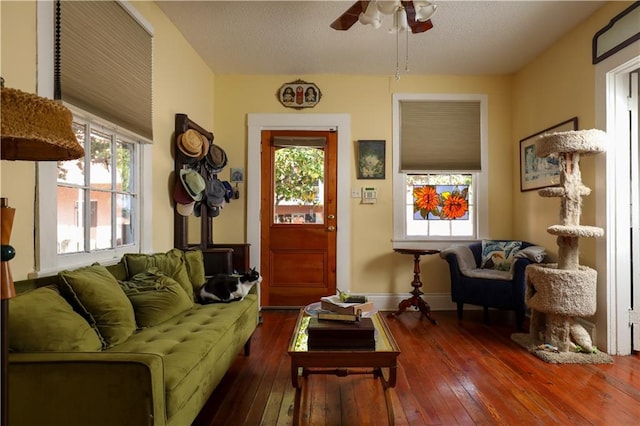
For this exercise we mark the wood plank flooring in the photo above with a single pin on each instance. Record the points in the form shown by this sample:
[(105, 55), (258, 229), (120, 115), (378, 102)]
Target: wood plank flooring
[(455, 373)]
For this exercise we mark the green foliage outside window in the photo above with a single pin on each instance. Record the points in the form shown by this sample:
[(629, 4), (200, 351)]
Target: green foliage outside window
[(298, 172)]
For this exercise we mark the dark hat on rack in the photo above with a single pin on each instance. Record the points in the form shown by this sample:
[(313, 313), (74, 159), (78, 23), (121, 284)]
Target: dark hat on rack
[(212, 211), (215, 193), (215, 159), (228, 195), (180, 194)]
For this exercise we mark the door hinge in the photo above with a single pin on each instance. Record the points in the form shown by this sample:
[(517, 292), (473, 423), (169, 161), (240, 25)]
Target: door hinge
[(634, 317)]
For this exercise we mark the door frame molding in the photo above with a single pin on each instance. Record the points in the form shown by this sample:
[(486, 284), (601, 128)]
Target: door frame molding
[(612, 189), (341, 123)]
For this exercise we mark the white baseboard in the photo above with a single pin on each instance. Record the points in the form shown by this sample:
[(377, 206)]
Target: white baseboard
[(436, 301)]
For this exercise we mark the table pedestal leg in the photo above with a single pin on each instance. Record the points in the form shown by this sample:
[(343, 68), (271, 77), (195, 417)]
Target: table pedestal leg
[(416, 299)]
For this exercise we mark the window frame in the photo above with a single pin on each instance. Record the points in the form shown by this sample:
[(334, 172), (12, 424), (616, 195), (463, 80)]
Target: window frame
[(480, 179), (47, 260)]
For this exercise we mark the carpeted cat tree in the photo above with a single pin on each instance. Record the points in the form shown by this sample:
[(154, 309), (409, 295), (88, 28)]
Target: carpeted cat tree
[(559, 293)]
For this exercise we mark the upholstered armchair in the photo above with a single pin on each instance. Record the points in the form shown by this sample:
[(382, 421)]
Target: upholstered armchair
[(491, 274)]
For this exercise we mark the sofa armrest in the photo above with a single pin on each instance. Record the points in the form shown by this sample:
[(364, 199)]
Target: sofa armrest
[(102, 388)]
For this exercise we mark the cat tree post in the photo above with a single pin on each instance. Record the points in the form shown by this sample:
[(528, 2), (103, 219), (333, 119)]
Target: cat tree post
[(559, 293)]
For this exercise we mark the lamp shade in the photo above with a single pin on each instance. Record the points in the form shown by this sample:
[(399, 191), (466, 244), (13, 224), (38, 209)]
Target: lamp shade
[(36, 128)]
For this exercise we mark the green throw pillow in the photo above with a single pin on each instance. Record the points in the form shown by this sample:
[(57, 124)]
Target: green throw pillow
[(171, 263), (42, 321), (499, 255), (195, 267), (95, 293), (155, 297)]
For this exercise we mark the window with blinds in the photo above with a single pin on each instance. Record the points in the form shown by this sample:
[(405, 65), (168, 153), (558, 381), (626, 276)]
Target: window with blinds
[(103, 61), (438, 146), (102, 71), (439, 135)]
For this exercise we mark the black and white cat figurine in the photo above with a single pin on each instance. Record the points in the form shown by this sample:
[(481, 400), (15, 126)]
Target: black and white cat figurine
[(228, 288)]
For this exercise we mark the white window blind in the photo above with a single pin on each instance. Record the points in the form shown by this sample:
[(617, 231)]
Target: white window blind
[(104, 63), (440, 136)]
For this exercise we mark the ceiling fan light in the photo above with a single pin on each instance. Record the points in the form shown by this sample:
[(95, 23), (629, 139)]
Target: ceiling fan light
[(371, 16), (424, 10), (388, 7), (401, 21)]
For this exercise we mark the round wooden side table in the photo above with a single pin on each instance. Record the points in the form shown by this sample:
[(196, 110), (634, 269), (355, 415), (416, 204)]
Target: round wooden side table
[(416, 299)]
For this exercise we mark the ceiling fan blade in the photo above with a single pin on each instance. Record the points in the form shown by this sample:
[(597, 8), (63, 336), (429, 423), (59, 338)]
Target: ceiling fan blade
[(350, 17), (415, 25)]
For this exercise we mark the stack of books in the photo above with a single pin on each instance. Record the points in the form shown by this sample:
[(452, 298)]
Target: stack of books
[(335, 305), (341, 335)]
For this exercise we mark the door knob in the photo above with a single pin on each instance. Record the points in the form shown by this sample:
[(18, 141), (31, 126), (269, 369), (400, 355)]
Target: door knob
[(331, 228), (331, 216)]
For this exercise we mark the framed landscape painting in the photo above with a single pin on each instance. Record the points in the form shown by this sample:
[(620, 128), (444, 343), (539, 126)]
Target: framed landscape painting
[(537, 172)]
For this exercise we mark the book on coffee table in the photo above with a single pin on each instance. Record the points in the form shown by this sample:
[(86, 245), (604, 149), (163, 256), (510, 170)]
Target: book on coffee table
[(359, 335), (333, 304)]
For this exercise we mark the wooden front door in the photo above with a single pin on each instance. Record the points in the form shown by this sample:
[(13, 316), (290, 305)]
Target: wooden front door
[(298, 216)]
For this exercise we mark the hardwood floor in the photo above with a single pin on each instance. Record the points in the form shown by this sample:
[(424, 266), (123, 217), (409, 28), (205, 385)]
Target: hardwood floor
[(454, 373)]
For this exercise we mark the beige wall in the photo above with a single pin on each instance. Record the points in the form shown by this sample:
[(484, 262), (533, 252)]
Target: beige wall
[(556, 86), (375, 268), (18, 68), (182, 83)]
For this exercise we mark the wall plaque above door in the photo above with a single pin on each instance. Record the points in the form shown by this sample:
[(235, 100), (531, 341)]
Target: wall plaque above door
[(299, 94)]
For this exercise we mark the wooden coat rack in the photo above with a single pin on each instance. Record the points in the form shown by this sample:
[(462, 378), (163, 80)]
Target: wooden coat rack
[(225, 258)]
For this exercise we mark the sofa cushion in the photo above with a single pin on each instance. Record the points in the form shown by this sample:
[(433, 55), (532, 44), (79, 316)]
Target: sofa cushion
[(155, 297), (499, 255), (171, 263), (533, 253), (197, 348), (42, 321), (96, 295), (195, 268)]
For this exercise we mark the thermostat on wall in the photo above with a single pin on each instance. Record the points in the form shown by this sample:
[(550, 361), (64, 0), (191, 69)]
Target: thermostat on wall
[(369, 196)]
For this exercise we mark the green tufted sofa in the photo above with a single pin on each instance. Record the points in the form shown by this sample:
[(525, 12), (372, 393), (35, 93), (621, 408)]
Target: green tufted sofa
[(76, 357)]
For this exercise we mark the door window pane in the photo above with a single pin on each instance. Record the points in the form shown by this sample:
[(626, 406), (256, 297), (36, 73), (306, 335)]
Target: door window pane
[(299, 185)]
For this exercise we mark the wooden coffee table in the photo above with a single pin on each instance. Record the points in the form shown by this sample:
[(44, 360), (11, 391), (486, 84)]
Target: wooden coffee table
[(339, 362)]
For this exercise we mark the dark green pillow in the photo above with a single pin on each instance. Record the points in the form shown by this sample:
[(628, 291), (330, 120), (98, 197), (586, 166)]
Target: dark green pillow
[(171, 263), (42, 321), (195, 268), (155, 297), (96, 295)]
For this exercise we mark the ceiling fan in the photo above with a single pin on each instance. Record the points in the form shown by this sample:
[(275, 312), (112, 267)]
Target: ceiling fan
[(412, 14)]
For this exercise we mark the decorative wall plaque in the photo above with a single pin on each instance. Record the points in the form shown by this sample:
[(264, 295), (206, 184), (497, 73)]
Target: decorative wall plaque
[(299, 94)]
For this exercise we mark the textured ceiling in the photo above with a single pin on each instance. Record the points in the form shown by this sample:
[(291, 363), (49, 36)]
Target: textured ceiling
[(294, 37)]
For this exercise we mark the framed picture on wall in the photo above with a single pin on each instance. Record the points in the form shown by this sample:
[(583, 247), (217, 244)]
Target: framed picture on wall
[(371, 159), (299, 94), (537, 172)]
